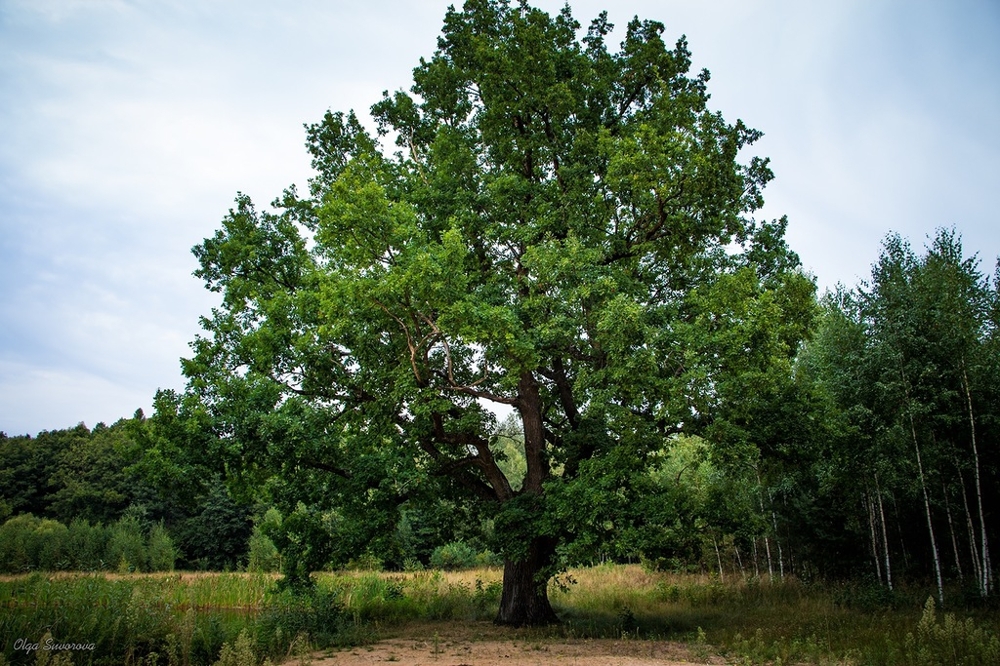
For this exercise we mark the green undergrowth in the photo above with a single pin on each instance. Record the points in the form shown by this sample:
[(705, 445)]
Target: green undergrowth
[(194, 619), (425, 595), (210, 619), (170, 620), (753, 621)]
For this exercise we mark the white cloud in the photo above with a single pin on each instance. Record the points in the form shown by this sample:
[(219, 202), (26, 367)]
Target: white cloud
[(127, 127)]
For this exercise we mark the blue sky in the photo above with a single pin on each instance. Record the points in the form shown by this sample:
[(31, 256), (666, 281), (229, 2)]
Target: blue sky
[(128, 126)]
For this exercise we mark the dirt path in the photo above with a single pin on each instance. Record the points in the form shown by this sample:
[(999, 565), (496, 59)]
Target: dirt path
[(465, 645)]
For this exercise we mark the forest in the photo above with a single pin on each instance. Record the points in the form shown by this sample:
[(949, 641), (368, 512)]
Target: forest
[(546, 332)]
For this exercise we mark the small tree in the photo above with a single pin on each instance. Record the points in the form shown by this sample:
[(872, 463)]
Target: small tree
[(549, 237)]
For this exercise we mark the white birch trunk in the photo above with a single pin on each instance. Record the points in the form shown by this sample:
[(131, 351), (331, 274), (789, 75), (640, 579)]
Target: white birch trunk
[(927, 507), (885, 534), (986, 577), (951, 529), (870, 509)]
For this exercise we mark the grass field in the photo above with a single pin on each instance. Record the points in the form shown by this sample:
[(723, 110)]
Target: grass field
[(181, 618)]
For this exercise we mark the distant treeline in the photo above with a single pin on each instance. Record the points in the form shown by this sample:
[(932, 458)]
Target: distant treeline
[(107, 499)]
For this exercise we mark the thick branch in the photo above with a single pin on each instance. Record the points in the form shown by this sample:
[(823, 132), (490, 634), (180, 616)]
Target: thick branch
[(483, 459), (565, 392)]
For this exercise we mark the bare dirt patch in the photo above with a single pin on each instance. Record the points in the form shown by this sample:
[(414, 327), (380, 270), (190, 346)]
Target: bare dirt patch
[(482, 644)]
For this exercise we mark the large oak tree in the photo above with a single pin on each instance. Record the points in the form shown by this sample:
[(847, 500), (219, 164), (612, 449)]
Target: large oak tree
[(564, 230)]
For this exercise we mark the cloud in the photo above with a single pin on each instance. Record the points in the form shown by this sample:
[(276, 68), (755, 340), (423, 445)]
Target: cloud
[(129, 126)]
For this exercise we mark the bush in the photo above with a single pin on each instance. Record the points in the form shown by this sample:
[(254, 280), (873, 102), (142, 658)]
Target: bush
[(160, 551), (51, 539), (17, 544), (28, 543), (87, 545), (289, 617), (263, 555), (127, 547), (950, 642), (454, 555)]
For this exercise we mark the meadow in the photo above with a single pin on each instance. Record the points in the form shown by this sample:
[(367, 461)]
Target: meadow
[(236, 619)]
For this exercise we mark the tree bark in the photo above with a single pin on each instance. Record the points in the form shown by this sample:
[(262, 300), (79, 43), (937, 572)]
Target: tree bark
[(951, 528), (777, 540), (927, 501), (885, 534), (973, 550), (767, 545), (718, 558), (985, 579), (524, 601), (525, 598), (529, 406), (870, 509)]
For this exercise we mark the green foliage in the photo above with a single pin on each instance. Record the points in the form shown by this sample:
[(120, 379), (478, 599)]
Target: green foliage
[(17, 547), (91, 481), (950, 641), (29, 465), (239, 653), (217, 537), (88, 544), (161, 553), (28, 543), (127, 546), (903, 367), (261, 552), (304, 541), (455, 555)]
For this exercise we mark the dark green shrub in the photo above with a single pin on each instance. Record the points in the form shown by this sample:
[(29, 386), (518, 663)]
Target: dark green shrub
[(126, 549), (317, 614), (50, 545), (454, 555), (160, 550), (262, 553), (17, 544), (87, 545)]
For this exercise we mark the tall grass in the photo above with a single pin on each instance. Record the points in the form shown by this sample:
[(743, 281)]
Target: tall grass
[(755, 621), (175, 620), (385, 599), (183, 619)]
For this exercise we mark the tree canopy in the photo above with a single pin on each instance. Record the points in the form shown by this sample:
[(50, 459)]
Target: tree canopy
[(542, 224)]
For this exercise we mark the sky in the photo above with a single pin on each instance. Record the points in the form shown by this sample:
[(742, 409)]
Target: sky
[(127, 127)]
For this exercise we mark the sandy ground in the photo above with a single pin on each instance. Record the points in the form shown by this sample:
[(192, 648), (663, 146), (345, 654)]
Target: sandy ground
[(462, 645)]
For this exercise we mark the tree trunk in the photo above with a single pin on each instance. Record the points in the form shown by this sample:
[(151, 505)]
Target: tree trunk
[(525, 598), (777, 540), (951, 528), (718, 558), (870, 509), (767, 545), (973, 550), (885, 534), (986, 576), (927, 505)]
